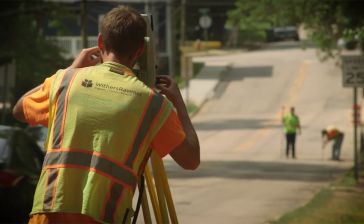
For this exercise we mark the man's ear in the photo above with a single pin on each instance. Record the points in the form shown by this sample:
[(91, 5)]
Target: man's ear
[(100, 42), (140, 50), (137, 54)]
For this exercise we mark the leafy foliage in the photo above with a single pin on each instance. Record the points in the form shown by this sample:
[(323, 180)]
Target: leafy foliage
[(326, 21), (35, 57)]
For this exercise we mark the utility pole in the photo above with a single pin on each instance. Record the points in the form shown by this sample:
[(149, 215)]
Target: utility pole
[(184, 58), (146, 7), (356, 121), (170, 40), (84, 23), (183, 23), (4, 93), (5, 62)]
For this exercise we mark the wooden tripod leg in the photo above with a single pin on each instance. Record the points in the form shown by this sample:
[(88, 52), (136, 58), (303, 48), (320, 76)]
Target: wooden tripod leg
[(166, 190), (153, 195), (145, 208), (159, 187)]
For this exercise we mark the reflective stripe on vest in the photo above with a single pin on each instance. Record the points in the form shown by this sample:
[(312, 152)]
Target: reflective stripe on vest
[(110, 204), (51, 188), (61, 108), (60, 111), (86, 159), (150, 113)]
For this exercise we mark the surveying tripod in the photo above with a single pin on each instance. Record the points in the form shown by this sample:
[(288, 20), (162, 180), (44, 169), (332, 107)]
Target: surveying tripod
[(158, 189)]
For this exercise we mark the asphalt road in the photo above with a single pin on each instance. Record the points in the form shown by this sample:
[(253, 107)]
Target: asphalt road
[(244, 176)]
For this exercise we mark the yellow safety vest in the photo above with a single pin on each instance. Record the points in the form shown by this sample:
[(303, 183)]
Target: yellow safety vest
[(102, 121), (291, 123)]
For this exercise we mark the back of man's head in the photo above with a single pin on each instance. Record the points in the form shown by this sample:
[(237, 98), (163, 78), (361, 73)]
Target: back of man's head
[(123, 31), (292, 110)]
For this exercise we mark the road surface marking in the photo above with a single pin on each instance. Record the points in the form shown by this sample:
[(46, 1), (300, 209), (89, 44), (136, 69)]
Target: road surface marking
[(292, 98)]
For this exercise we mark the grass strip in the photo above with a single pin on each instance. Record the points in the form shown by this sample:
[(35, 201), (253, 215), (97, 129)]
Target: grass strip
[(340, 203)]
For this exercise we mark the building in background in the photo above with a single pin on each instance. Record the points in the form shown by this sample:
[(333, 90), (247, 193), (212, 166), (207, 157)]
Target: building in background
[(167, 25), (71, 42)]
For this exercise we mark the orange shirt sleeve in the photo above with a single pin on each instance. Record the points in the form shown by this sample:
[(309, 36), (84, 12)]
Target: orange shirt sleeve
[(36, 105), (169, 136)]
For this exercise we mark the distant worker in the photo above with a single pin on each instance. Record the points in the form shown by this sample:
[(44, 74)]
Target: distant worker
[(292, 126), (332, 133), (102, 122)]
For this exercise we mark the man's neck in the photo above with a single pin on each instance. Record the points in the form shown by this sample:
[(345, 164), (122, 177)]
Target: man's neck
[(121, 60)]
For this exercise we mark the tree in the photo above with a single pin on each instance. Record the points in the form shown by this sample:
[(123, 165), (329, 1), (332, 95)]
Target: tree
[(327, 21), (247, 21), (35, 57)]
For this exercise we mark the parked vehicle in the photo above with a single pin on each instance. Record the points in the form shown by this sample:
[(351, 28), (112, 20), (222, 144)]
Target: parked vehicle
[(283, 33), (20, 165), (39, 133)]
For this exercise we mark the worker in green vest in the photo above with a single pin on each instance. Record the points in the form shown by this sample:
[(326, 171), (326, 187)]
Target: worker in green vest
[(292, 126), (102, 125)]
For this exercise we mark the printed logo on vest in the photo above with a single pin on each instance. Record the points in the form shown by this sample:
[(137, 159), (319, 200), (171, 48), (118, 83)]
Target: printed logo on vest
[(116, 89), (87, 83)]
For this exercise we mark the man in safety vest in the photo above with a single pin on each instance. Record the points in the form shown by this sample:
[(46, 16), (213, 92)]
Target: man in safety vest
[(291, 124), (332, 133), (102, 125)]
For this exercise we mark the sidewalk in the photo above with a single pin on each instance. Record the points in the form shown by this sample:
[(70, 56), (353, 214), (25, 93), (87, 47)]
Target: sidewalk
[(202, 86)]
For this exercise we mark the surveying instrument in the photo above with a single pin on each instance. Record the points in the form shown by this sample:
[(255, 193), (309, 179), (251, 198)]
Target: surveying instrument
[(157, 185)]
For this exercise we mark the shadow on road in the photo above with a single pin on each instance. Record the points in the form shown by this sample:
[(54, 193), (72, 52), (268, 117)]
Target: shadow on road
[(240, 73), (258, 171), (210, 72), (287, 45), (236, 124)]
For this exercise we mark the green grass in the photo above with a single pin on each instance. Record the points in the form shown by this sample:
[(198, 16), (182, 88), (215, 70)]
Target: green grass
[(197, 66), (306, 211), (340, 203), (181, 81), (347, 181), (191, 108)]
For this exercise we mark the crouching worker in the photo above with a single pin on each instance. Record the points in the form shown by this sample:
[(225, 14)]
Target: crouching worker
[(332, 133), (102, 122)]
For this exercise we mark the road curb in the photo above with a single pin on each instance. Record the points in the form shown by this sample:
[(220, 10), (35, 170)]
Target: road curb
[(203, 86)]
